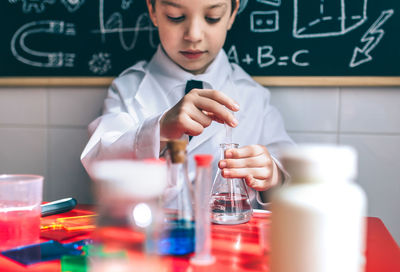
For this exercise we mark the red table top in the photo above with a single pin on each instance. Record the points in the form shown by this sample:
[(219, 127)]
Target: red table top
[(241, 248)]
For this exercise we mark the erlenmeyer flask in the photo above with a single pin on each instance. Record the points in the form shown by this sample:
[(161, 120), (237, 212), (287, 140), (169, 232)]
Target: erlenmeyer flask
[(229, 201)]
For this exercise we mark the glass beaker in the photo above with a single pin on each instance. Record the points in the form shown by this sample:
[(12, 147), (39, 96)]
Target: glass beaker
[(20, 199), (230, 203)]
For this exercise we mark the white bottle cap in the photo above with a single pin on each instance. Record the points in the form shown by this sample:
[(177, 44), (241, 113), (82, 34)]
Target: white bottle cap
[(133, 179), (316, 162)]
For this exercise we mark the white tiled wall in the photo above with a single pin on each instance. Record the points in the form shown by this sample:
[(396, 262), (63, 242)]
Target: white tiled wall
[(365, 118), (43, 131)]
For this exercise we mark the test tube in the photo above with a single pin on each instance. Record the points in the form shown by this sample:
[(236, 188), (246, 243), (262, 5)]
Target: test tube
[(202, 255)]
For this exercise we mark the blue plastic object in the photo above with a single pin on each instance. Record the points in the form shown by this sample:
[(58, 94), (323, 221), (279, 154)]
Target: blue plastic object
[(50, 250)]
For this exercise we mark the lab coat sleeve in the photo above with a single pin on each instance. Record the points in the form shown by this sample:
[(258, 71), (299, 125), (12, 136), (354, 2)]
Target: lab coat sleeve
[(275, 131), (122, 132)]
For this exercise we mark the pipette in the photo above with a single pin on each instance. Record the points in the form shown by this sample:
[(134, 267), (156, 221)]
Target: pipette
[(228, 132), (202, 254), (228, 140)]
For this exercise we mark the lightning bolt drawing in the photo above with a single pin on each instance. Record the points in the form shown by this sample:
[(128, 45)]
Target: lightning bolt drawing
[(371, 38)]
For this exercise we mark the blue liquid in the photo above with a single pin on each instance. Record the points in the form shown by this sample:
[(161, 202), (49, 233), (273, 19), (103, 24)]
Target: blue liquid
[(178, 238)]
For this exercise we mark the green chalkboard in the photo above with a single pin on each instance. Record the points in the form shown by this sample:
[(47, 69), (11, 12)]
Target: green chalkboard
[(317, 38), (282, 38)]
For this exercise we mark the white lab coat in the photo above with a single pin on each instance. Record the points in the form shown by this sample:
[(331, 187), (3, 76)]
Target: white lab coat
[(129, 127)]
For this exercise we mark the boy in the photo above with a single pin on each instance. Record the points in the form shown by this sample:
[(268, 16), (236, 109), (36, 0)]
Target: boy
[(147, 105)]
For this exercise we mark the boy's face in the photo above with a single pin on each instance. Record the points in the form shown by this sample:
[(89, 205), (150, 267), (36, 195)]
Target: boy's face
[(192, 32)]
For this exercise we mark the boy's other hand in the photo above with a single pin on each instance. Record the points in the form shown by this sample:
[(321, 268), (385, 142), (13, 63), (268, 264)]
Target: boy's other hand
[(195, 111), (254, 164)]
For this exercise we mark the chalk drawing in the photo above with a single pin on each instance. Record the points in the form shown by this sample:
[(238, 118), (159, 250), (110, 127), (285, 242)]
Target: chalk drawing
[(242, 5), (248, 59), (72, 5), (233, 55), (275, 3), (297, 54), (37, 6), (100, 63), (114, 24), (264, 21), (330, 18), (371, 39), (25, 54), (126, 4), (265, 57)]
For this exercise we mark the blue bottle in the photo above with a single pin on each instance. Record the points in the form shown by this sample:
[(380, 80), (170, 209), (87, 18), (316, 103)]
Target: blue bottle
[(178, 235)]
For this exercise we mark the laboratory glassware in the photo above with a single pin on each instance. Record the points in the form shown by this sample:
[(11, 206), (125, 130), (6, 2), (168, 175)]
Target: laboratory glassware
[(230, 203), (128, 193), (177, 237), (203, 181), (20, 199)]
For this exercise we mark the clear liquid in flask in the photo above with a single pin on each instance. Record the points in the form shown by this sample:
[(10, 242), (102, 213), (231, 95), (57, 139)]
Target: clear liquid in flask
[(228, 208)]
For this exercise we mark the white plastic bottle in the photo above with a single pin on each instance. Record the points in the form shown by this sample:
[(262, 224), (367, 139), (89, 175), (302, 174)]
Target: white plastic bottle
[(318, 218)]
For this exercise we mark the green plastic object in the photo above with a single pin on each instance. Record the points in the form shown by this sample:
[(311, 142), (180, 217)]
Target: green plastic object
[(98, 251), (71, 263)]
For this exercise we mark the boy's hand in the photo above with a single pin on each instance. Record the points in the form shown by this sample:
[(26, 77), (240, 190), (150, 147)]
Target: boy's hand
[(254, 164), (195, 111)]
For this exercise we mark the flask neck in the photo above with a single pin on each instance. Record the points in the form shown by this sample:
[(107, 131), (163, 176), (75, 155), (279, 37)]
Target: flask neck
[(226, 147)]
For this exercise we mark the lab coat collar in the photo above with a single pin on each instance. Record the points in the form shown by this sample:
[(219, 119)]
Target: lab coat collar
[(173, 78), (161, 70)]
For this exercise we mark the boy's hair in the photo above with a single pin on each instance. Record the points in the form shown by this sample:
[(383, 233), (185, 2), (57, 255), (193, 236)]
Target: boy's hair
[(153, 2)]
